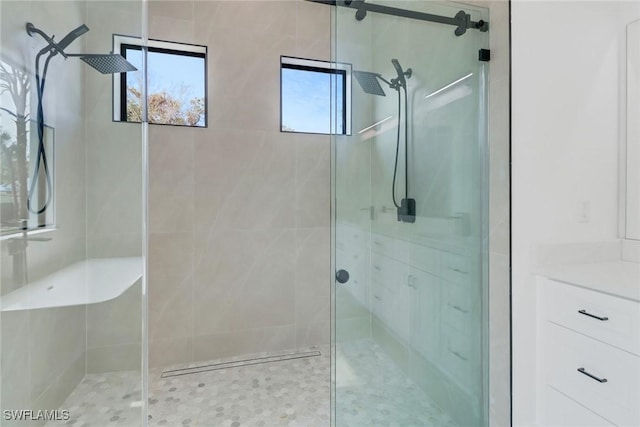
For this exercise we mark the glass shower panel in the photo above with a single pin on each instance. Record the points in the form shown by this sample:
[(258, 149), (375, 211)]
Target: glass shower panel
[(410, 221), (71, 214)]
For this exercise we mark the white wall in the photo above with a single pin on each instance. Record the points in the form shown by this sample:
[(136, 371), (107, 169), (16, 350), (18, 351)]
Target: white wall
[(568, 71)]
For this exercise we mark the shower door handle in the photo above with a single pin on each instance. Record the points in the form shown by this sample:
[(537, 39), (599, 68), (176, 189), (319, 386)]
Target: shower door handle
[(342, 276)]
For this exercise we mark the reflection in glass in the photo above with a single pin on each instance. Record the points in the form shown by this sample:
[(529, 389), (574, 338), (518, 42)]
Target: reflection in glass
[(410, 194), (307, 100), (176, 85), (19, 144)]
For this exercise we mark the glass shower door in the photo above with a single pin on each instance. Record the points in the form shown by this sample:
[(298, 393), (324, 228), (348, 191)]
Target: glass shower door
[(72, 232), (410, 219)]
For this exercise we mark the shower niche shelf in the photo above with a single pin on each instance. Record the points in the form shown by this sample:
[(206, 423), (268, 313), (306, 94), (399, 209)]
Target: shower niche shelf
[(89, 281)]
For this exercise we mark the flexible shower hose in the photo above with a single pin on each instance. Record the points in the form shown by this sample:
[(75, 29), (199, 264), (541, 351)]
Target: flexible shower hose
[(406, 153), (41, 156)]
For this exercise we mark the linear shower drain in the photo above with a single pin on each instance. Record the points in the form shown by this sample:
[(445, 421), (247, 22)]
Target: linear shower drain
[(239, 363)]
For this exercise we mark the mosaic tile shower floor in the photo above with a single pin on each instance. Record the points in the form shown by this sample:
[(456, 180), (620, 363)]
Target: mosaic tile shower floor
[(372, 392)]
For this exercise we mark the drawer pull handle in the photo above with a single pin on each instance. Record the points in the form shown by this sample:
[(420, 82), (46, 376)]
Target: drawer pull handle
[(461, 357), (457, 270), (593, 315), (460, 309), (377, 297), (375, 267), (600, 380)]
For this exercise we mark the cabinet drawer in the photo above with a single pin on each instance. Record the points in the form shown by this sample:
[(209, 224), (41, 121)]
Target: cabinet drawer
[(389, 272), (616, 399), (458, 317), (425, 258), (395, 248), (456, 268), (559, 410), (380, 299), (571, 306), (424, 297), (392, 309), (458, 297), (456, 356)]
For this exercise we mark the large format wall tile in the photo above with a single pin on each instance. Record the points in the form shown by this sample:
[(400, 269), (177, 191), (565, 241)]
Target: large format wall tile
[(56, 339), (224, 157), (243, 342), (170, 351), (55, 395), (39, 346), (121, 357), (254, 201), (313, 182), (117, 321), (244, 279), (245, 180), (15, 387), (171, 200), (171, 296), (115, 197)]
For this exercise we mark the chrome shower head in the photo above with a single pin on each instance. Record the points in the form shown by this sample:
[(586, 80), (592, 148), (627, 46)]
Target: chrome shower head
[(369, 82)]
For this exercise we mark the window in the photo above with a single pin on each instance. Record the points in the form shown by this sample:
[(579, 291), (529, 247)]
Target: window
[(176, 83), (306, 100)]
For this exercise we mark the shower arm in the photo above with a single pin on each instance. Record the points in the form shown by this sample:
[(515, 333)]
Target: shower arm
[(384, 80), (393, 84), (52, 45)]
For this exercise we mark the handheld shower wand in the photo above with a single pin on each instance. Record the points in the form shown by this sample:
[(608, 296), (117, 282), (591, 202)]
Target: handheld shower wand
[(105, 63), (400, 80), (369, 83), (407, 207)]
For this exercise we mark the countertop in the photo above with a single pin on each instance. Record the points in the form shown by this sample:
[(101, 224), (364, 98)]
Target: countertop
[(617, 278)]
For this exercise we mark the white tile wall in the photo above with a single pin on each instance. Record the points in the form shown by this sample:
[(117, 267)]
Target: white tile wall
[(239, 248)]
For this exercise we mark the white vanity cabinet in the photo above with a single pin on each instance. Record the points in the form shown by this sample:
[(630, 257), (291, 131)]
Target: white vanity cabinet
[(426, 293), (425, 283), (589, 355)]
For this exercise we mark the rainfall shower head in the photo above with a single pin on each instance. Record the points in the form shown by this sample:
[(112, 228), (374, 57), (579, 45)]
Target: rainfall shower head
[(369, 82), (108, 63)]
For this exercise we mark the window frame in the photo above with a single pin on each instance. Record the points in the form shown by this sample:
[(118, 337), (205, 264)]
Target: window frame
[(327, 67), (122, 43)]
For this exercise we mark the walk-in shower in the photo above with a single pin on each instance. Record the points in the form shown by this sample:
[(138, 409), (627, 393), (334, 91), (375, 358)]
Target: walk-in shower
[(243, 273)]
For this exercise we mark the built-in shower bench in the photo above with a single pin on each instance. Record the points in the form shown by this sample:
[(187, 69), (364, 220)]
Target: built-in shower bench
[(85, 282)]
